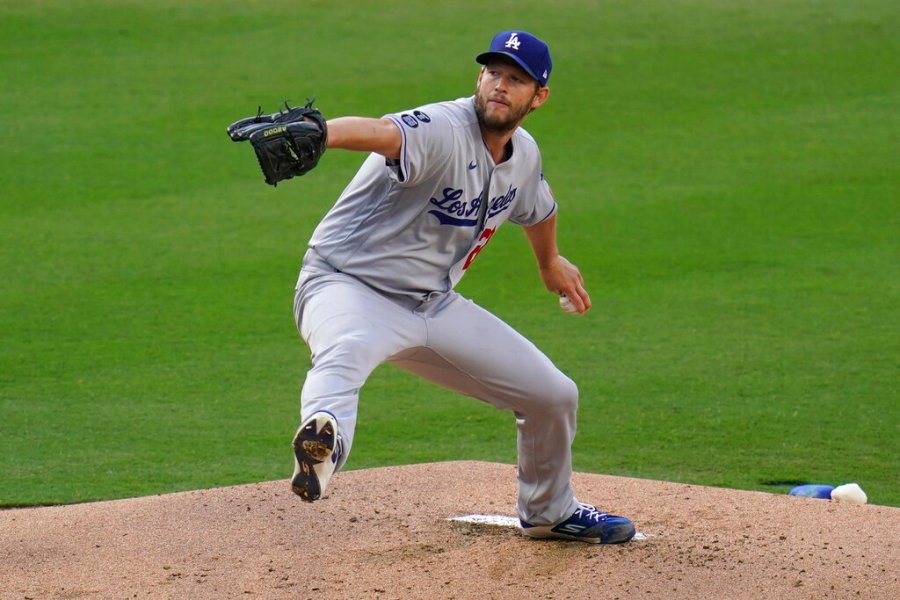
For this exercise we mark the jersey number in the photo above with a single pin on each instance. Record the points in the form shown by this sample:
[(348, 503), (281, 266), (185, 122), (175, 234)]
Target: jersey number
[(483, 239)]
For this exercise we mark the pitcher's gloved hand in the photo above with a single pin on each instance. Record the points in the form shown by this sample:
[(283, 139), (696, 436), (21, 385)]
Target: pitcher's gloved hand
[(288, 143)]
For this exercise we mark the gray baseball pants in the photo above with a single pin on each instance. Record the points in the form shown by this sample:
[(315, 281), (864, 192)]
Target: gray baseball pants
[(351, 329)]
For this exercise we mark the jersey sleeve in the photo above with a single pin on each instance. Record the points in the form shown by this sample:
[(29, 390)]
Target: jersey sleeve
[(541, 205), (427, 143)]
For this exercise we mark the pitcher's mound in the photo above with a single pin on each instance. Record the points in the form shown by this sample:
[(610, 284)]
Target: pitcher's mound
[(386, 533)]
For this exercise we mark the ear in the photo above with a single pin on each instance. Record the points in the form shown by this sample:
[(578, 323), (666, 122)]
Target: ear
[(540, 97)]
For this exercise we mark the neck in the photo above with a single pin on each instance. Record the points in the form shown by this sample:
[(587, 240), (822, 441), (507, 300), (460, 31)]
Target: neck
[(498, 144)]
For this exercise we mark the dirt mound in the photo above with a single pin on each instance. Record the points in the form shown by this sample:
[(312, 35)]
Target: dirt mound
[(385, 533)]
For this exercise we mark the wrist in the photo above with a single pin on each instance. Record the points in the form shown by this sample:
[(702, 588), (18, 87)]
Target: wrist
[(548, 262)]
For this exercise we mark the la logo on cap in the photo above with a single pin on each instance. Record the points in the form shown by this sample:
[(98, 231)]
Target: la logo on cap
[(524, 49)]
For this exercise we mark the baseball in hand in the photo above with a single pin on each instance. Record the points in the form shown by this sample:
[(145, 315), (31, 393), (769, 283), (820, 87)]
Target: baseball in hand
[(566, 305)]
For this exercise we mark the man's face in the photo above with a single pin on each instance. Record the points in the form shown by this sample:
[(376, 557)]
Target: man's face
[(504, 94)]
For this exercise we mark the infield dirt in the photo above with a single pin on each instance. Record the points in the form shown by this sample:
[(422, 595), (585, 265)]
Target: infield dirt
[(385, 533)]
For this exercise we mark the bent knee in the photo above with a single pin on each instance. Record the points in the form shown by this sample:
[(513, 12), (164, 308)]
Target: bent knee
[(557, 396), (567, 396), (350, 349)]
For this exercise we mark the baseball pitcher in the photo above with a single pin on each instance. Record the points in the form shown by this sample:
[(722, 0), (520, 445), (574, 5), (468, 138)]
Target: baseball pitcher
[(377, 279)]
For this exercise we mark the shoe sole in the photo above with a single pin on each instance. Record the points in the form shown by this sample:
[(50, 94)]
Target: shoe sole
[(311, 447)]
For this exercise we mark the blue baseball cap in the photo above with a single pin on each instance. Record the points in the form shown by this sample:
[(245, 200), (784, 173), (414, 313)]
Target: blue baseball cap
[(529, 52)]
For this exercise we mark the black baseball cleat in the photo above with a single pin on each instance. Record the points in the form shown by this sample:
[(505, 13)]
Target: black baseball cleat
[(317, 449)]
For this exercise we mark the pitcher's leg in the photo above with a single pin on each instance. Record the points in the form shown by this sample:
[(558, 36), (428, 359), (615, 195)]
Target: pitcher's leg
[(473, 352), (350, 330)]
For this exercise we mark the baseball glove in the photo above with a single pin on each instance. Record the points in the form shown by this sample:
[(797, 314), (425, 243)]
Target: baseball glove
[(288, 143)]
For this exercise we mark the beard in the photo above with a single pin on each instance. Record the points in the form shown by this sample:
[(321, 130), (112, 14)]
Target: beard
[(496, 123)]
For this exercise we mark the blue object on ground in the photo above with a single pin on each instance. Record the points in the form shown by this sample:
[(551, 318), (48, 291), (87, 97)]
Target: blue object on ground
[(812, 490)]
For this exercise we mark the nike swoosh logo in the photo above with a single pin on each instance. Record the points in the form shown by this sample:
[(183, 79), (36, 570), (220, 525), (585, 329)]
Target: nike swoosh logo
[(472, 165)]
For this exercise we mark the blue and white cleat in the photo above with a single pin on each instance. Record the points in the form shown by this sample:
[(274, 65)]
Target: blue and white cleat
[(586, 524), (317, 449)]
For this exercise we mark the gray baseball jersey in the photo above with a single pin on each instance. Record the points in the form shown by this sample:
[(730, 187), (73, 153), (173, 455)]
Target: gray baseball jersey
[(376, 286), (413, 226)]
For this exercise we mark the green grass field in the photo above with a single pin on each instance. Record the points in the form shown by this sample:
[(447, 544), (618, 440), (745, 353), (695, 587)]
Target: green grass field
[(728, 180)]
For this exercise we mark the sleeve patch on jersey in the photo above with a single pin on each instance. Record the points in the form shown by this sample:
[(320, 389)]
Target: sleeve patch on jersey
[(421, 116), (409, 120)]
